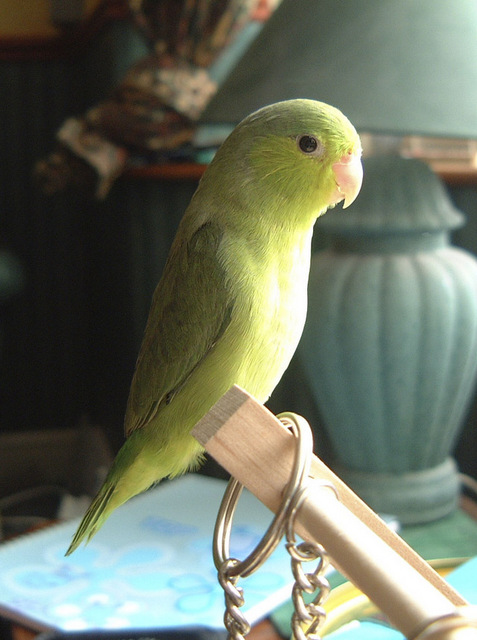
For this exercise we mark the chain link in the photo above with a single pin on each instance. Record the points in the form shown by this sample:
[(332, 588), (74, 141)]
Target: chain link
[(235, 622), (308, 615)]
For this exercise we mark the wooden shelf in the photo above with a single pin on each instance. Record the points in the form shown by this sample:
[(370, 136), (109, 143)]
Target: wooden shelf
[(192, 171), (167, 171), (457, 177)]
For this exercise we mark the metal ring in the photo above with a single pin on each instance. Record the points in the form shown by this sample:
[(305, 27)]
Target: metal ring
[(298, 500), (223, 526)]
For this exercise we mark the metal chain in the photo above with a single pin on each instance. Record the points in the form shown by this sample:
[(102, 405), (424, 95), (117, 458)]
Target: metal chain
[(309, 616), (235, 622)]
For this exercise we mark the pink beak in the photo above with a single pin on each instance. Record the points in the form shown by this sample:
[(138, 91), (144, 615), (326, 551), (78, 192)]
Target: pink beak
[(349, 177)]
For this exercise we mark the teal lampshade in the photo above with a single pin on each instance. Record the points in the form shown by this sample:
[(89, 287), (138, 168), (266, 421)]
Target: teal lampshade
[(396, 67)]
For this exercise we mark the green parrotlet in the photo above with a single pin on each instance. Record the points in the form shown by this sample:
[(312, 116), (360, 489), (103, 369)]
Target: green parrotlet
[(231, 304)]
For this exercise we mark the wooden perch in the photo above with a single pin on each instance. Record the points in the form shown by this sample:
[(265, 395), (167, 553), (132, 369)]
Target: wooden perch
[(255, 447)]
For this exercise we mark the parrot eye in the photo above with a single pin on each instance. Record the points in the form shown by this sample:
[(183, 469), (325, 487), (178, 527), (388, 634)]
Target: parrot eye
[(310, 145)]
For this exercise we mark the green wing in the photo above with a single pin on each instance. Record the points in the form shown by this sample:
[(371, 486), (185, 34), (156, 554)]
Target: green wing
[(191, 309)]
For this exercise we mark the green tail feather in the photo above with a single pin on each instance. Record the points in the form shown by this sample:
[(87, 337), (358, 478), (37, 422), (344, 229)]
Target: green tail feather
[(94, 517), (135, 469)]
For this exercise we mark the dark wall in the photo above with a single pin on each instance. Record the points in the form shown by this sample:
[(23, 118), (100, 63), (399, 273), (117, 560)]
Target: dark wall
[(49, 329)]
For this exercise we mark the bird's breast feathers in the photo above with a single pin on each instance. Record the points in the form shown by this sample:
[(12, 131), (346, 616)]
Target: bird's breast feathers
[(269, 314)]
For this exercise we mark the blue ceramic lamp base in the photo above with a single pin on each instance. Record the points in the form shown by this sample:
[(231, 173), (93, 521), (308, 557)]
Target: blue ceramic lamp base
[(413, 497), (390, 342)]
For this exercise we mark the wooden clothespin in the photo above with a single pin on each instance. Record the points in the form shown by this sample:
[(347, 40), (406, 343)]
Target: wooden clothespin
[(257, 450)]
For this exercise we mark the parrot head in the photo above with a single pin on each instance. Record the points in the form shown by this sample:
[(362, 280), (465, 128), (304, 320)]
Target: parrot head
[(294, 158)]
